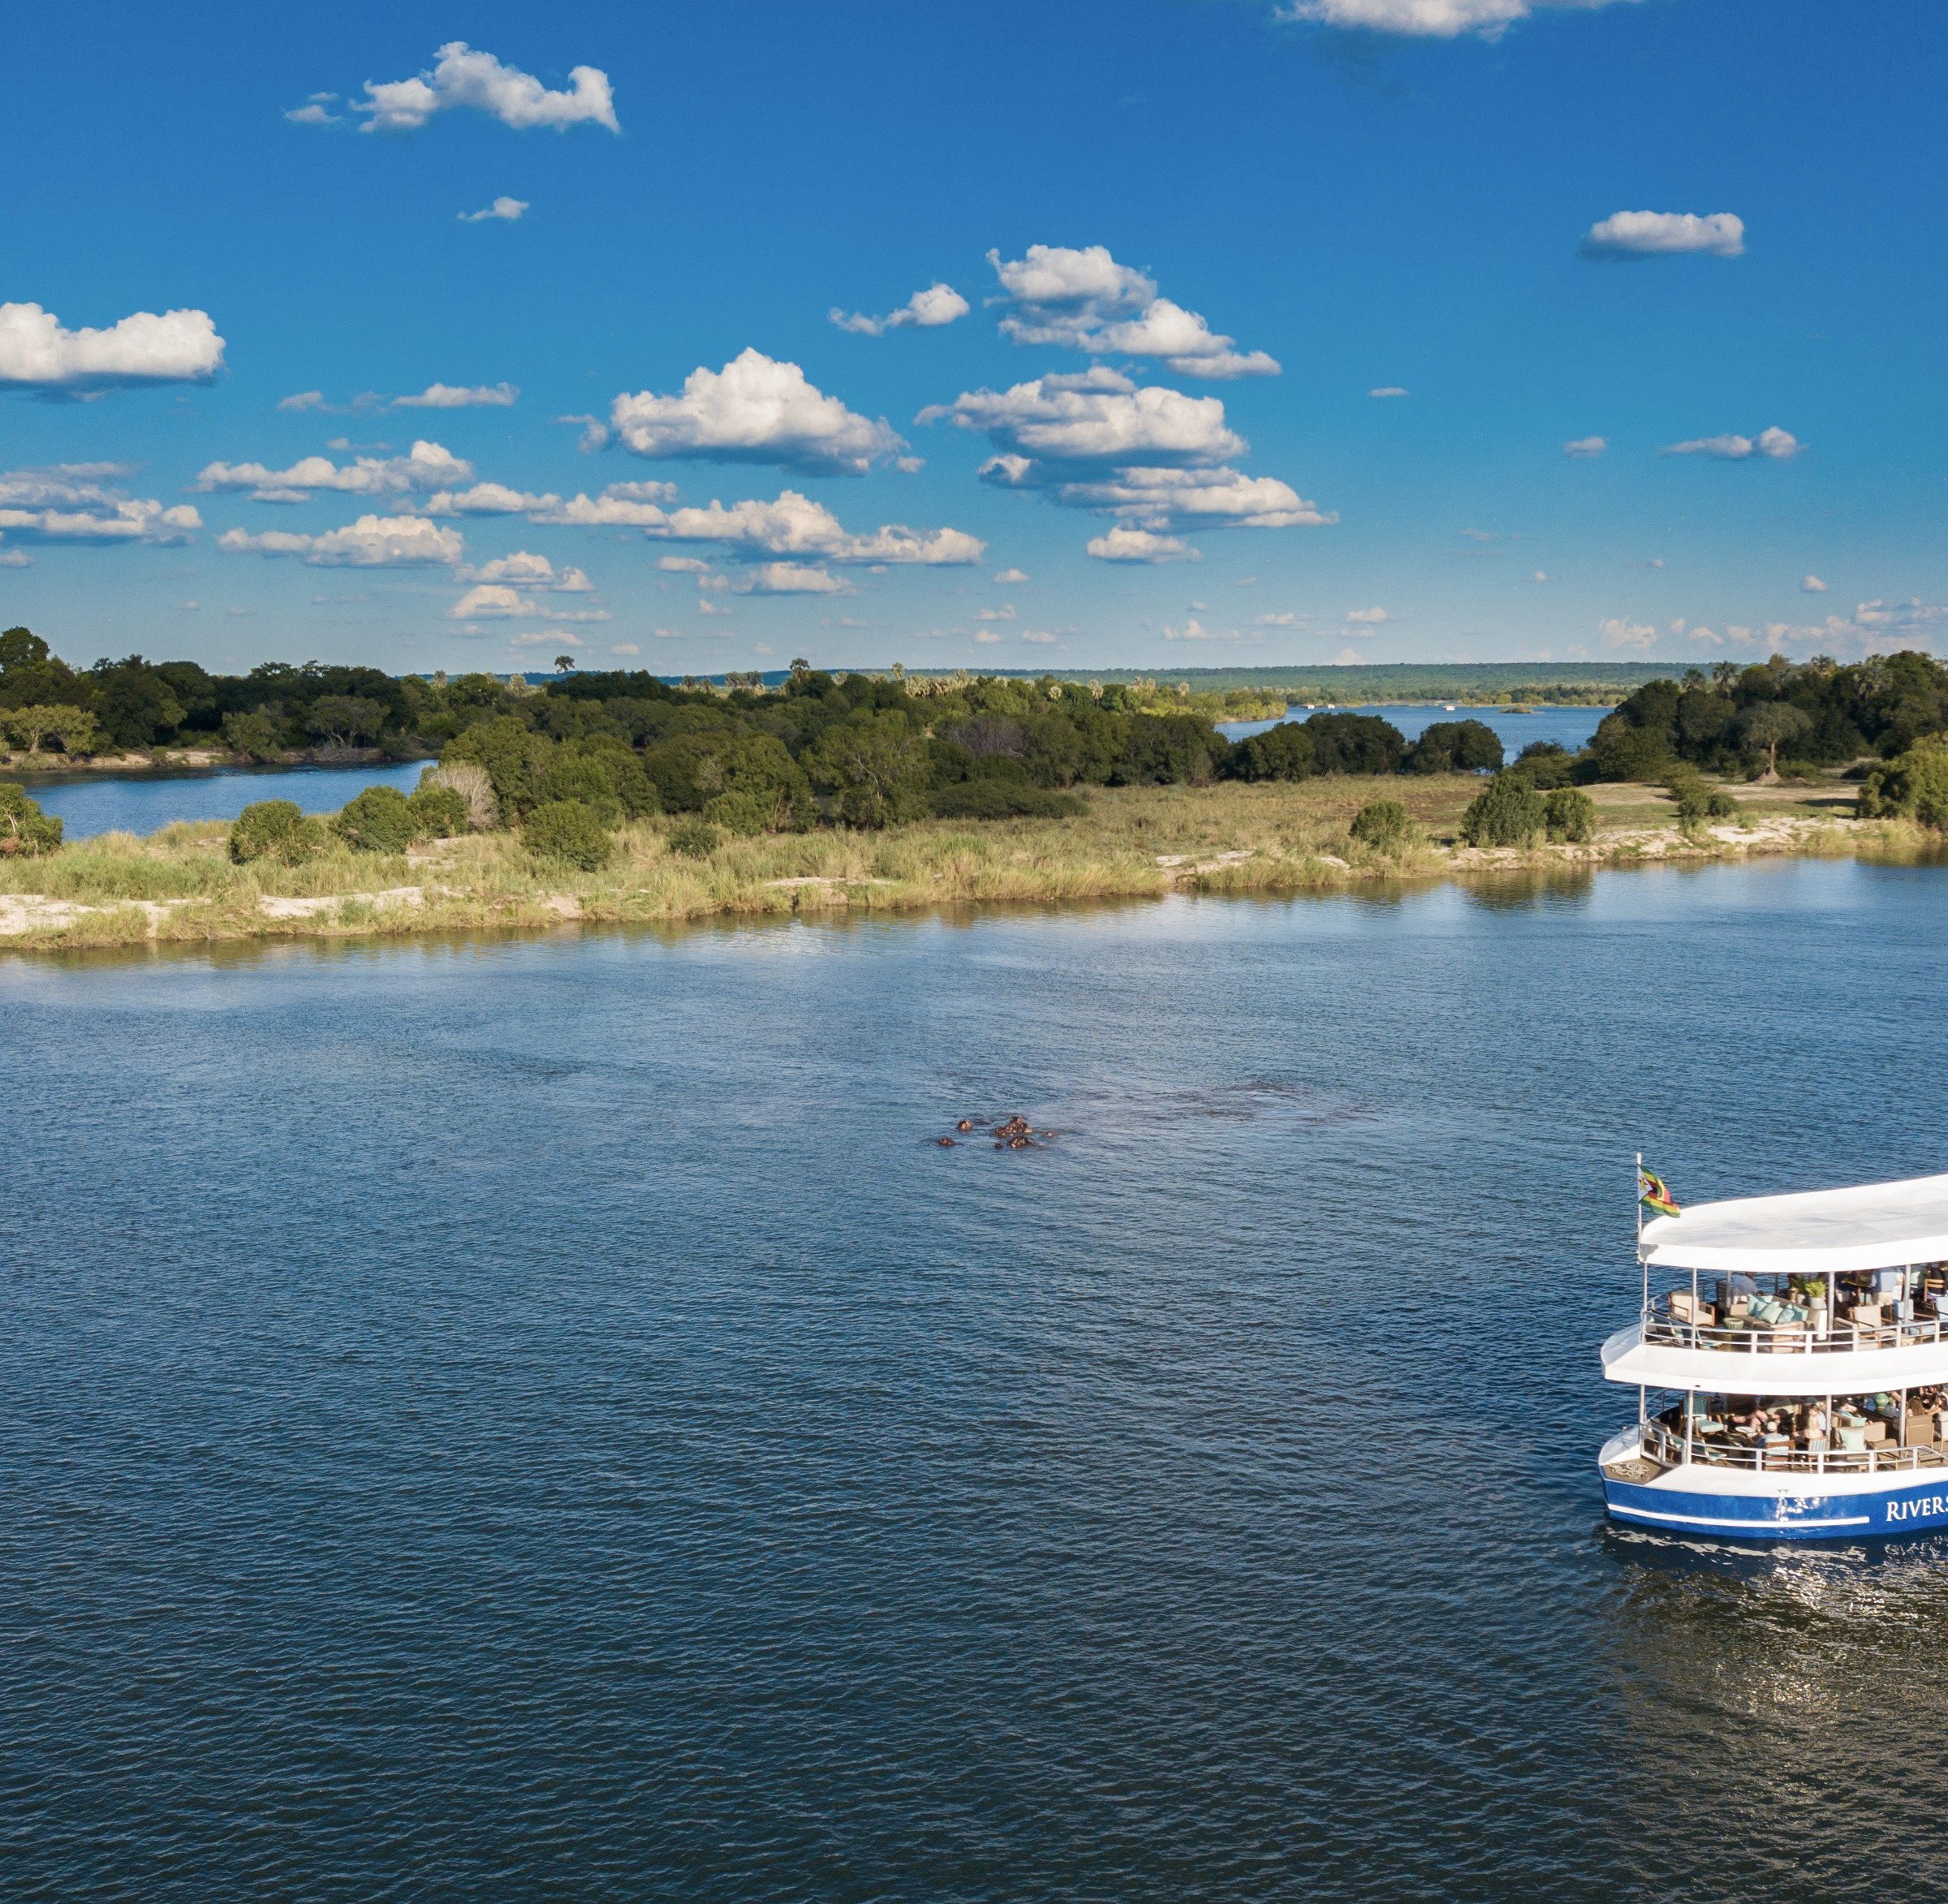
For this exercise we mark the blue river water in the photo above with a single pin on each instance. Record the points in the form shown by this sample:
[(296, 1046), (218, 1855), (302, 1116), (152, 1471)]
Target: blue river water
[(543, 1417), (90, 804), (1567, 727)]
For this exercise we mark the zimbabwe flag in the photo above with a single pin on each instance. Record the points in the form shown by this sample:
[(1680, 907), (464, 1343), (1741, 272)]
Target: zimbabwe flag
[(1653, 1195)]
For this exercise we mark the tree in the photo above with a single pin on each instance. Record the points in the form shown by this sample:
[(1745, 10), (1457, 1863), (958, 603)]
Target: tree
[(134, 702), (513, 755), (344, 720), (1914, 787), (876, 764), (1356, 744), (276, 831), (1284, 752), (1508, 811), (570, 831), (379, 819), (25, 831), (467, 781), (1768, 726), (564, 663), (1569, 815), (256, 736), (1455, 747), (30, 675), (1382, 825), (76, 728)]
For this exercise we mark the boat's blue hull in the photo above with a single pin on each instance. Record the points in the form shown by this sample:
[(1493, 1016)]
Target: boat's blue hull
[(1910, 1507)]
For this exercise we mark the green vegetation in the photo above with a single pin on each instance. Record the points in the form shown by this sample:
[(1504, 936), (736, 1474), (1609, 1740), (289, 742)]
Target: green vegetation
[(1569, 815), (570, 831), (1382, 824), (24, 827), (1913, 786), (278, 831), (1508, 811)]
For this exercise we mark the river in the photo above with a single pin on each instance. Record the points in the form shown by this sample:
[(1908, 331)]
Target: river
[(543, 1417)]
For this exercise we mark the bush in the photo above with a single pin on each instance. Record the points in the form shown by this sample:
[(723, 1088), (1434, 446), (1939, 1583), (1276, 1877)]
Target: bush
[(379, 821), (24, 829), (1284, 752), (438, 812), (1913, 786), (1697, 799), (1544, 764), (276, 831), (992, 797), (570, 831), (1455, 747), (257, 737), (1569, 815), (1383, 825), (738, 812), (1508, 811), (694, 839)]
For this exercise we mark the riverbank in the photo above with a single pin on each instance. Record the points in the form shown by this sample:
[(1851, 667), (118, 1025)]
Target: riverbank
[(179, 885)]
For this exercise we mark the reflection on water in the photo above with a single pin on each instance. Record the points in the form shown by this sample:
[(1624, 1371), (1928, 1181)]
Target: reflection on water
[(540, 1416)]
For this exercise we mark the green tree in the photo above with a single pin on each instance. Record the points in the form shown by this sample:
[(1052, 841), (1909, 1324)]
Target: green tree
[(876, 764), (438, 812), (346, 720), (76, 728), (468, 782), (1913, 786), (569, 831), (1382, 824), (134, 702), (1508, 811), (25, 831), (1284, 752), (257, 736), (1569, 815), (379, 819), (30, 674), (515, 757), (279, 831), (1455, 747), (1770, 725)]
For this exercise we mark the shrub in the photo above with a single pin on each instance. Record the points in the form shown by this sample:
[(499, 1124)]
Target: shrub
[(438, 812), (24, 827), (738, 812), (1569, 815), (1697, 799), (379, 821), (1544, 764), (694, 839), (570, 831), (277, 830), (1382, 824), (1720, 805), (1508, 811), (994, 797), (1455, 747), (1914, 785), (470, 780), (1284, 752)]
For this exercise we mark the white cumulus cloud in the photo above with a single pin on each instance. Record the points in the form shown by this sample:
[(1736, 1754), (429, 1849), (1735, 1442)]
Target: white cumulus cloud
[(1189, 498), (37, 351), (1012, 575), (489, 499), (463, 77), (1585, 446), (527, 570), (1126, 544), (1779, 445), (1388, 390), (1096, 417), (1441, 19), (1371, 617), (499, 601), (1649, 234), (502, 207), (1617, 632), (925, 310), (372, 541), (428, 466), (1082, 299), (754, 410), (1812, 585), (791, 577), (458, 396)]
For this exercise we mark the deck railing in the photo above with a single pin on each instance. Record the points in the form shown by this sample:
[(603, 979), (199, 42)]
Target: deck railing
[(1665, 1444), (1847, 1339)]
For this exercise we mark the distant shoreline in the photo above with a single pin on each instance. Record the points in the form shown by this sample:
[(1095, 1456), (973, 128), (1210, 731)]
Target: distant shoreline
[(1268, 840)]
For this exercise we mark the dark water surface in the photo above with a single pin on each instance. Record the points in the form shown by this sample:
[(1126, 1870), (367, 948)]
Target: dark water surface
[(89, 804), (542, 1420)]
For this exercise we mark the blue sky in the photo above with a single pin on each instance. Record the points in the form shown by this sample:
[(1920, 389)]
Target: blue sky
[(1381, 195)]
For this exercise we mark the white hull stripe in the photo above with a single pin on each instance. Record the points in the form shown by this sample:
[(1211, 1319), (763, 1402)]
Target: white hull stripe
[(1698, 1520)]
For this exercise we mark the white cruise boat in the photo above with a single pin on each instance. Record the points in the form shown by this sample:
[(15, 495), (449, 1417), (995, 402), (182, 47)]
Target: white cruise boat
[(1791, 1367)]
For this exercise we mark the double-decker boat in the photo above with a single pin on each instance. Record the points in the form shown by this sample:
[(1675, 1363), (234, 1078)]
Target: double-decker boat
[(1791, 1367)]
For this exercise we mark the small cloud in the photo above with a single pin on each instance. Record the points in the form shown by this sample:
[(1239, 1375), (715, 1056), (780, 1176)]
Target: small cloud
[(625, 647), (791, 577), (1812, 585), (1010, 575), (1388, 389), (1124, 545), (509, 209), (1040, 635), (1285, 619), (447, 396), (189, 607), (1371, 617), (595, 432), (15, 558), (925, 310), (1585, 446), (760, 648), (464, 77), (1617, 632), (1649, 234), (1540, 576), (1349, 657), (313, 115), (1776, 445), (986, 634), (1005, 614)]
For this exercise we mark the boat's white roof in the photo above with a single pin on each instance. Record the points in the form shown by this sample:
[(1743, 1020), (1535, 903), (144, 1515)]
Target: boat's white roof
[(1817, 1232)]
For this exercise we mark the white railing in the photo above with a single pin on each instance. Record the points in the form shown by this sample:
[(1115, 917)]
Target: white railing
[(1848, 1338), (1665, 1444)]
